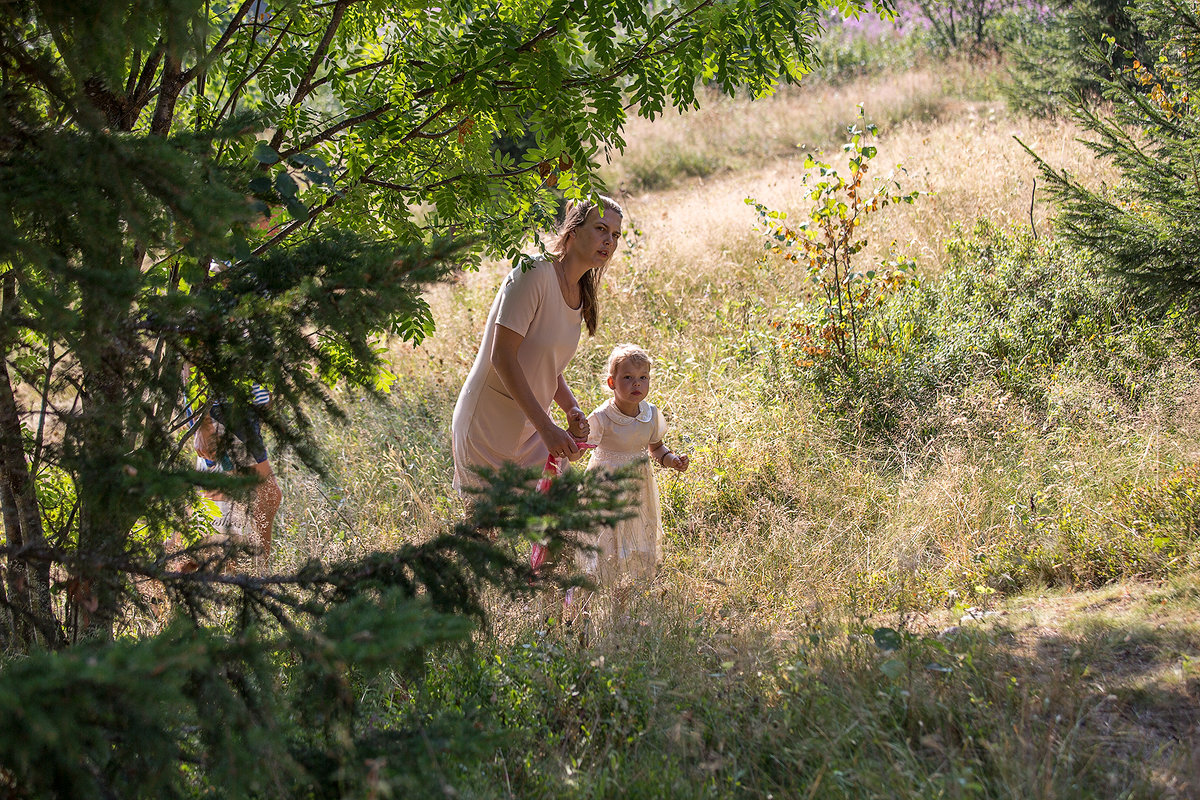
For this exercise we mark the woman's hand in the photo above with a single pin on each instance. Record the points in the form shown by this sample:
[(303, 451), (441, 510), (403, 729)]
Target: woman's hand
[(560, 443)]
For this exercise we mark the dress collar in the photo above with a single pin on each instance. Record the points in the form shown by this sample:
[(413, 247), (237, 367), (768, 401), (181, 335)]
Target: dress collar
[(645, 411)]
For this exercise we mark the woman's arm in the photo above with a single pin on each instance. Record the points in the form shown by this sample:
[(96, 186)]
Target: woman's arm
[(505, 345), (577, 422)]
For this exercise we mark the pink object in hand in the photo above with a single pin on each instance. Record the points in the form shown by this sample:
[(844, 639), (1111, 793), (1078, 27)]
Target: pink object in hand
[(554, 467)]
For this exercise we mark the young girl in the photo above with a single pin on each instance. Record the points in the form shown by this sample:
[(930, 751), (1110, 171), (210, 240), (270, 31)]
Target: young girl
[(624, 428)]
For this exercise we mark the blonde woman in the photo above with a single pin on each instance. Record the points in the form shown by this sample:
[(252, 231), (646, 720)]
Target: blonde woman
[(503, 412)]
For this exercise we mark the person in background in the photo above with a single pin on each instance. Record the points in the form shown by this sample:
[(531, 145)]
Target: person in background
[(242, 450)]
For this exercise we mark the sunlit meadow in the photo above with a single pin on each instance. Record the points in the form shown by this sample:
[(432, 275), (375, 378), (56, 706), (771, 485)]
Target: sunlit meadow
[(755, 663)]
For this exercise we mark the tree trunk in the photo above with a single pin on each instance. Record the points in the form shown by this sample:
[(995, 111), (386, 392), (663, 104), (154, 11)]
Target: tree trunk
[(28, 575)]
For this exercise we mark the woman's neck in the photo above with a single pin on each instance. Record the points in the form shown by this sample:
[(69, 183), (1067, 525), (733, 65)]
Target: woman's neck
[(573, 268)]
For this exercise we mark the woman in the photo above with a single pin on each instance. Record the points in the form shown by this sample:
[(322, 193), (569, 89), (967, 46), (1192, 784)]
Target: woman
[(503, 410)]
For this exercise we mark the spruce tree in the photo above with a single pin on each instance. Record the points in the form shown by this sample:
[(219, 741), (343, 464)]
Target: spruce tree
[(1047, 76), (1144, 228)]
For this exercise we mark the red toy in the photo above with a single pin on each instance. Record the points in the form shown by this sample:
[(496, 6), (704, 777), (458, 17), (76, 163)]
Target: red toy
[(553, 468)]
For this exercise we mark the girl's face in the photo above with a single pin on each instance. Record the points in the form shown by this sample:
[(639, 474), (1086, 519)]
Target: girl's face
[(596, 239), (630, 383)]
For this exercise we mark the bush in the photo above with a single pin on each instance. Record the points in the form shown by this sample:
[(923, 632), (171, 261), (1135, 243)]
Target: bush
[(1148, 532), (977, 27), (1013, 313), (672, 706)]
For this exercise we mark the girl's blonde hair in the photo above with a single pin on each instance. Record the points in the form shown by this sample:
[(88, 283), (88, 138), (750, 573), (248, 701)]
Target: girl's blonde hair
[(589, 284), (626, 352)]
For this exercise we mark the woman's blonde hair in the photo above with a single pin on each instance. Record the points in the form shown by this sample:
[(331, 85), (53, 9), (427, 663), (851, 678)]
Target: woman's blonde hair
[(626, 352), (589, 284)]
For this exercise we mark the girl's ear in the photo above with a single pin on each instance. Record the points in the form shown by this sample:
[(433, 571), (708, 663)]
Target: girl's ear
[(610, 382)]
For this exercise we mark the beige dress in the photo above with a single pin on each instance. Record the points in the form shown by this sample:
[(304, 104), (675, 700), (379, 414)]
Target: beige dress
[(489, 427), (632, 549)]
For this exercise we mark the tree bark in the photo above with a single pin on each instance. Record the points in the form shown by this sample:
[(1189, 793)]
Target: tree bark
[(28, 578)]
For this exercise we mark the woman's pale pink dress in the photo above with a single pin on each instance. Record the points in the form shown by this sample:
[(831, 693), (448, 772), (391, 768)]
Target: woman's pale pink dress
[(489, 428)]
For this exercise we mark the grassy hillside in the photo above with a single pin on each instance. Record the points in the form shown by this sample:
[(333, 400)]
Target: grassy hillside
[(964, 568)]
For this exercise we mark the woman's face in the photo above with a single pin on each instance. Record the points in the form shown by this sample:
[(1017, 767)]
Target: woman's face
[(595, 240)]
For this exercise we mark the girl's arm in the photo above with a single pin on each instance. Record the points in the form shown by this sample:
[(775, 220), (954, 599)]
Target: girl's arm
[(505, 345), (663, 455), (577, 422)]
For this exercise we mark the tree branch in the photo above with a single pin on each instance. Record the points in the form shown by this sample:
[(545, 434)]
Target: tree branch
[(304, 87), (347, 73), (141, 93), (219, 45), (231, 103)]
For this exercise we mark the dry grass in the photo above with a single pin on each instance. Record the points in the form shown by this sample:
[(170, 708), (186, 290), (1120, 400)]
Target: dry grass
[(727, 134)]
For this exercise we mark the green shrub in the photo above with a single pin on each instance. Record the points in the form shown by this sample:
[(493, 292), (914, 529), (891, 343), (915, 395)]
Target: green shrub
[(1010, 312), (1145, 532), (838, 334), (669, 705)]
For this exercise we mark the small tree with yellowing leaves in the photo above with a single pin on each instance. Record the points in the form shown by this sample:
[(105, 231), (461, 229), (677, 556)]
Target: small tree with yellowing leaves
[(838, 325)]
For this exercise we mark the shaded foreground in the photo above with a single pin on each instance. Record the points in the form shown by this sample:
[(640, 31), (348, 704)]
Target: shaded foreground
[(1094, 694)]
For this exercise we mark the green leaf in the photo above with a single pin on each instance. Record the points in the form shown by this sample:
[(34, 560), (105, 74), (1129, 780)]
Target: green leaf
[(286, 185), (887, 639), (265, 154), (295, 208)]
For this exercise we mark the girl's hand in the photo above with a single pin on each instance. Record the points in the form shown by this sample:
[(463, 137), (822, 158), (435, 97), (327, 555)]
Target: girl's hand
[(676, 461), (577, 424), (559, 443)]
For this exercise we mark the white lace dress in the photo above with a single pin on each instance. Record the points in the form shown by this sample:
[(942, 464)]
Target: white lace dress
[(633, 548)]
